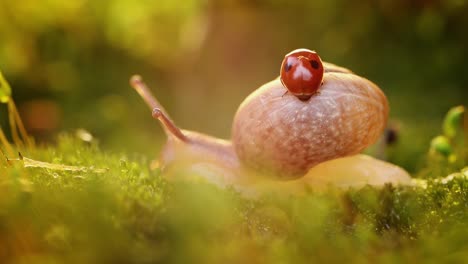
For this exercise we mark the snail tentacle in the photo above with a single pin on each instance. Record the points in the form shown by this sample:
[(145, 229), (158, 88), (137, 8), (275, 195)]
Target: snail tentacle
[(159, 113), (140, 86), (168, 125)]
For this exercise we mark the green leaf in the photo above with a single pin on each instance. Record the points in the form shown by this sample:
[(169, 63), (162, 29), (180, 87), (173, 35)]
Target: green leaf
[(441, 144), (453, 121), (5, 90)]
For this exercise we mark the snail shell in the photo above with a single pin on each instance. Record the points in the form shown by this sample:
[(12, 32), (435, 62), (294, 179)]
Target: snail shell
[(276, 134)]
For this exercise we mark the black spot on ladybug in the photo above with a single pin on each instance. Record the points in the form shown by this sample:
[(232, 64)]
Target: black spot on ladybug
[(314, 64), (288, 67)]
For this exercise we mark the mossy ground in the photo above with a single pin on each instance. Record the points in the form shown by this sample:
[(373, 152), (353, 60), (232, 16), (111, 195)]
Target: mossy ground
[(131, 215)]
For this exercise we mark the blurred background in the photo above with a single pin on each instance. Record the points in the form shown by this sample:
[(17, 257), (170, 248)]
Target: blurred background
[(69, 62)]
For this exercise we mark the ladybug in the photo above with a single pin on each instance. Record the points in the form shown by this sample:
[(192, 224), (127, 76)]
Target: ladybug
[(302, 73)]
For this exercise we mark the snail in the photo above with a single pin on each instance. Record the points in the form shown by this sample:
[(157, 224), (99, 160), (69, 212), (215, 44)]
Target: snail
[(315, 117)]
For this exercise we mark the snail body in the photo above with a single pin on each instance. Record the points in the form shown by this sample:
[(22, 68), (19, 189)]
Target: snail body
[(280, 133)]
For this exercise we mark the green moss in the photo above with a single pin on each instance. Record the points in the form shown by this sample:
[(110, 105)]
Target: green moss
[(131, 215)]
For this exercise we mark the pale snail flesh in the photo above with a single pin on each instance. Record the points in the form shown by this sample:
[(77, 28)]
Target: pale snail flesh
[(347, 115)]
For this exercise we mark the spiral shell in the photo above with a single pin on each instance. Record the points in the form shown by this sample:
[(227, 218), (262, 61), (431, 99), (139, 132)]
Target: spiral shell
[(276, 134)]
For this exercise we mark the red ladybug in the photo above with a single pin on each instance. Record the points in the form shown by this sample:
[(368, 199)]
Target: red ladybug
[(302, 73)]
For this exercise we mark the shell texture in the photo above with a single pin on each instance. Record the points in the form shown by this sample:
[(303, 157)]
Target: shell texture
[(276, 134)]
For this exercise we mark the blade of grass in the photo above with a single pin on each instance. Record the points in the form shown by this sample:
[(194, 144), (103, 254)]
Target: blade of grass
[(13, 127), (5, 89), (20, 126), (30, 163), (4, 141)]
